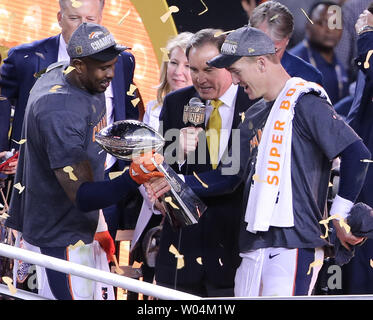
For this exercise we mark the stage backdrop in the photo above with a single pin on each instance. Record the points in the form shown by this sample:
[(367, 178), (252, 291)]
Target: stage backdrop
[(134, 23)]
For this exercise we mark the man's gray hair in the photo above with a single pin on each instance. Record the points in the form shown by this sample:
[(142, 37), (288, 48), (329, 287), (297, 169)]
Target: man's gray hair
[(279, 19)]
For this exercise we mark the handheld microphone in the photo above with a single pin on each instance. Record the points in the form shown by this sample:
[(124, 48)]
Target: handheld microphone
[(194, 113)]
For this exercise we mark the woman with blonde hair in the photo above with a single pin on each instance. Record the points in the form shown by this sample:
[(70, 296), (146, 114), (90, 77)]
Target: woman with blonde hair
[(174, 75)]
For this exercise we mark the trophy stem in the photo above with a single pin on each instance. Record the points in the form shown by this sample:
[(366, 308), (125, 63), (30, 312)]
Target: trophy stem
[(175, 194)]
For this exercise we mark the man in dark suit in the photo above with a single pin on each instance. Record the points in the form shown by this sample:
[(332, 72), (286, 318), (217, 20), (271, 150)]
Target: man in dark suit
[(209, 247), (24, 62)]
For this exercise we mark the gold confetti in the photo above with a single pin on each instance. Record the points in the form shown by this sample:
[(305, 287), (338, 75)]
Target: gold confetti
[(69, 170), (178, 256), (124, 17), (274, 17), (22, 141), (132, 89), (79, 243), (68, 70), (314, 264), (220, 33), (4, 216), (204, 11), (9, 282), (116, 174), (221, 262), (304, 12), (39, 54), (199, 260), (135, 102), (366, 160), (371, 262), (55, 88), (251, 50), (366, 63), (200, 181), (342, 223), (330, 184), (165, 57), (76, 4), (171, 10), (242, 116), (19, 187), (169, 200)]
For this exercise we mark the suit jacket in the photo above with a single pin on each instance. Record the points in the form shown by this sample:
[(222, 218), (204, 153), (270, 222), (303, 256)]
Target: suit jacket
[(215, 237), (18, 75)]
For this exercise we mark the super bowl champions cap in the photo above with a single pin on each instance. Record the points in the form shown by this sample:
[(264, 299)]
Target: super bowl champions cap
[(94, 41), (243, 42)]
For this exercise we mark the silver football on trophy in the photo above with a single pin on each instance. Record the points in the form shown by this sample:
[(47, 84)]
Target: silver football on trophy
[(129, 138)]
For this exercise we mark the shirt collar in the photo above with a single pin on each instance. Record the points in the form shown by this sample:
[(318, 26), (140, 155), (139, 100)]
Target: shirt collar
[(228, 97)]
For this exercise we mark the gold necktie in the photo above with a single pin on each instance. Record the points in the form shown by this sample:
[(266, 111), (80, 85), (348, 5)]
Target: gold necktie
[(213, 133)]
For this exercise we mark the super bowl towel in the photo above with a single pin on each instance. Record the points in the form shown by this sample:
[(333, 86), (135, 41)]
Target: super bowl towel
[(270, 200)]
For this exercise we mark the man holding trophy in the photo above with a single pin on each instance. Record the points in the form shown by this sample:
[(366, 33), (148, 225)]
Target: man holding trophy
[(59, 184)]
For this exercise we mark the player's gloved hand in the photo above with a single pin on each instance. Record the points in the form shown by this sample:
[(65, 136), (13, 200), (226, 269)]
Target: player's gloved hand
[(107, 243), (142, 168)]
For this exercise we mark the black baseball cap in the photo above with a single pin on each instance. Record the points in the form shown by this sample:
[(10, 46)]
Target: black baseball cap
[(243, 42)]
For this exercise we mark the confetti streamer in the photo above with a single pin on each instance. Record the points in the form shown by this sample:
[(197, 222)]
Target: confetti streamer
[(304, 12), (169, 200), (274, 17), (69, 170), (200, 181), (39, 54), (220, 262), (314, 264), (4, 216), (366, 63), (178, 256), (371, 262), (9, 282), (366, 160), (78, 244), (204, 11), (116, 174), (76, 4), (22, 141), (68, 70), (165, 57), (342, 223), (219, 33), (167, 15), (124, 17), (19, 187), (132, 89), (199, 260), (242, 116), (135, 102), (55, 88)]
